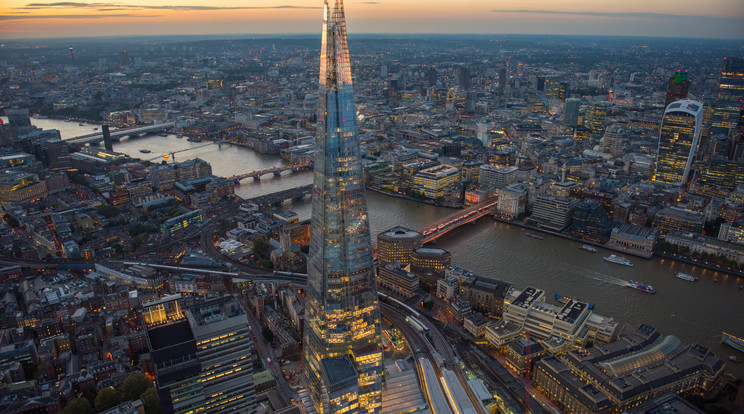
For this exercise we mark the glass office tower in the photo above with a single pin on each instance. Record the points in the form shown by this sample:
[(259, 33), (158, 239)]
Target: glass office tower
[(730, 99), (678, 141), (342, 354)]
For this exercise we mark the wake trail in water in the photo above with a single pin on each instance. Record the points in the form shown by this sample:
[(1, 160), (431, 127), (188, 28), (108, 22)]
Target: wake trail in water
[(591, 274)]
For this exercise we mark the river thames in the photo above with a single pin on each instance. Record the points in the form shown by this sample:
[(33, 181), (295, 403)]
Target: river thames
[(695, 312)]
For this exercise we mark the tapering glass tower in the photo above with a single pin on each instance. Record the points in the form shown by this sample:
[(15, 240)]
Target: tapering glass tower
[(342, 355)]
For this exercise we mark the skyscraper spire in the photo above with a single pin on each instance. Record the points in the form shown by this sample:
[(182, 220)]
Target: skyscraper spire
[(342, 354)]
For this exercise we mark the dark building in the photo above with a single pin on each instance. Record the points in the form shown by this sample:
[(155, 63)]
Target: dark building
[(502, 80), (463, 77), (431, 76), (677, 87), (485, 295), (174, 356), (590, 221)]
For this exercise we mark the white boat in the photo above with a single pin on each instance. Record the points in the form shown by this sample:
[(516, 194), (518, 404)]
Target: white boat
[(588, 248), (686, 276), (618, 260)]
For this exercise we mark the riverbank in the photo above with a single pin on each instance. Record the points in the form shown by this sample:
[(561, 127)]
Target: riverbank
[(681, 259), (409, 198)]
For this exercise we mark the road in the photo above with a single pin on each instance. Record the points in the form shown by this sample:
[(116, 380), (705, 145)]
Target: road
[(265, 352)]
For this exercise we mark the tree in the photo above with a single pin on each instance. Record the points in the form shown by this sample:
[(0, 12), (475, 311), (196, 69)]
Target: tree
[(107, 398), (78, 406), (266, 332), (151, 401), (134, 386), (260, 246)]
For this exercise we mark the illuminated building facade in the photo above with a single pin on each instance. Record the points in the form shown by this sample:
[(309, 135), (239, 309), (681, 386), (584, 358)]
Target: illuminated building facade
[(225, 350), (678, 141), (342, 354), (431, 181), (429, 264), (173, 350), (730, 99), (176, 224), (396, 245)]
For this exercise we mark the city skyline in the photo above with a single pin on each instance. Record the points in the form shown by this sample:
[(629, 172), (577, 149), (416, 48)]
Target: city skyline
[(720, 19)]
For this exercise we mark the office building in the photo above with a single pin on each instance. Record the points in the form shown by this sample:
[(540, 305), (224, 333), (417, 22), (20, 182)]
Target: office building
[(612, 142), (730, 99), (492, 176), (173, 351), (677, 87), (396, 245), (177, 224), (590, 222), (594, 117), (512, 201), (675, 218), (225, 351), (429, 264), (399, 281), (431, 181), (342, 352), (678, 141), (634, 239), (484, 294), (553, 212), (463, 78), (618, 376), (19, 187), (571, 112)]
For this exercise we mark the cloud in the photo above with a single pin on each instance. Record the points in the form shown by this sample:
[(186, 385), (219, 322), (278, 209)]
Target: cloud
[(116, 6), (70, 16), (607, 14)]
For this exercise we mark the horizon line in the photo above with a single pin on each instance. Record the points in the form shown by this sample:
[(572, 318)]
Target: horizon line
[(313, 34)]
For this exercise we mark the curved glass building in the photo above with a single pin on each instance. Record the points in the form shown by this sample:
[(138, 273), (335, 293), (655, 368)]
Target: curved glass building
[(678, 141), (342, 354)]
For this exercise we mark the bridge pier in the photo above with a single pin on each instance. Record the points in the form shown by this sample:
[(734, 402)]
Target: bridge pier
[(277, 173), (256, 178)]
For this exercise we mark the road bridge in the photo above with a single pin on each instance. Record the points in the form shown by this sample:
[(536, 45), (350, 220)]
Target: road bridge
[(470, 214), (98, 136)]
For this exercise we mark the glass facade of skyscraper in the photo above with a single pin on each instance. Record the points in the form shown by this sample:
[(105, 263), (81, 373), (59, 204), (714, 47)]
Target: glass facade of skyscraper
[(678, 141), (342, 314), (730, 99)]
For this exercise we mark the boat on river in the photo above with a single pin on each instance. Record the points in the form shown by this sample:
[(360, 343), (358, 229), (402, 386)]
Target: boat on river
[(618, 260)]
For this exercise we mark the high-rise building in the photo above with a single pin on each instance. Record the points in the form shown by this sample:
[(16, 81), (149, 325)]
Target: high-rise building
[(224, 348), (463, 78), (594, 118), (502, 80), (678, 141), (730, 101), (173, 351), (572, 112), (342, 354), (677, 87)]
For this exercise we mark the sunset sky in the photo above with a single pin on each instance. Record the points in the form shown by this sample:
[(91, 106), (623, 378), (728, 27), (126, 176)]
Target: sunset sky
[(677, 18)]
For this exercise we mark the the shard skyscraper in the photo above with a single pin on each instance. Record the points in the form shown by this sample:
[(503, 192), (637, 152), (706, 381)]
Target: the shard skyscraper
[(342, 354)]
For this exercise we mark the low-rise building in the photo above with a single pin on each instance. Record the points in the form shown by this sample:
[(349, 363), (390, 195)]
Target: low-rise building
[(634, 239), (397, 280), (475, 324)]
